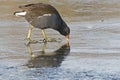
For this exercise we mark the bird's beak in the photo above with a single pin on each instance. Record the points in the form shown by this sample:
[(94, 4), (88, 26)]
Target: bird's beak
[(67, 38)]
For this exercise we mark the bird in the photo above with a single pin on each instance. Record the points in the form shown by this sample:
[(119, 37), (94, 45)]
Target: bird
[(43, 16)]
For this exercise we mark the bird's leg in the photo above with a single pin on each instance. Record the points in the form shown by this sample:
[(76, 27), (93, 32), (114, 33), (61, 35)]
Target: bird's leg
[(47, 39), (44, 35), (29, 33)]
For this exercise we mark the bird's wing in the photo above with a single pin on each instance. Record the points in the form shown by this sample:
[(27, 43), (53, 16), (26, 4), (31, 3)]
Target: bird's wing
[(39, 9), (46, 21), (36, 10)]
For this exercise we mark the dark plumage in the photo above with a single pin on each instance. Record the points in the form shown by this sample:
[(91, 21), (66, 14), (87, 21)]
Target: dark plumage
[(44, 16)]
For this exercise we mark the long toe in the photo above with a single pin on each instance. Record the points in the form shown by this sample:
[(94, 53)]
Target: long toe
[(52, 40)]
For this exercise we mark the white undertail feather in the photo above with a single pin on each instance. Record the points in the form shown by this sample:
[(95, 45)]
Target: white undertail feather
[(20, 13)]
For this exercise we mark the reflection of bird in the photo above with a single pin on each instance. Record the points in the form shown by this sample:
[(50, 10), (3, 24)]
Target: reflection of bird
[(44, 59), (43, 16)]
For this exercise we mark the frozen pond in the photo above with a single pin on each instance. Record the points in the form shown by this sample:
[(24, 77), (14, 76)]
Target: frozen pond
[(94, 52)]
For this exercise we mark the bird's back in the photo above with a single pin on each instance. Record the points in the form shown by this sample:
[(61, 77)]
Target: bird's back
[(42, 16)]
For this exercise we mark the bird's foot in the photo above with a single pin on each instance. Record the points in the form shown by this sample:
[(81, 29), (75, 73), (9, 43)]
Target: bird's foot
[(31, 41), (43, 40), (51, 40), (28, 39)]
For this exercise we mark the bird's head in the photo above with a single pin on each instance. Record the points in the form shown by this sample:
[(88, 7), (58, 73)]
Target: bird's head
[(65, 30), (67, 34)]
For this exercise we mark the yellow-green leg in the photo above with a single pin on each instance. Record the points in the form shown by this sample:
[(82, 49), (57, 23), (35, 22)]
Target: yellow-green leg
[(29, 33), (44, 35)]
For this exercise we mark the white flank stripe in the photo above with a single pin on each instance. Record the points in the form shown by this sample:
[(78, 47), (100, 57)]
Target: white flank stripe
[(47, 14), (44, 15)]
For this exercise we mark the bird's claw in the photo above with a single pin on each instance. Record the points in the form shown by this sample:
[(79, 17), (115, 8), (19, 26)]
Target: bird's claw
[(28, 39), (51, 40), (31, 41), (43, 40)]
